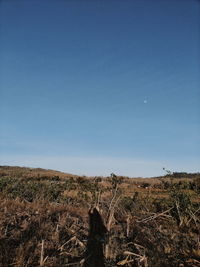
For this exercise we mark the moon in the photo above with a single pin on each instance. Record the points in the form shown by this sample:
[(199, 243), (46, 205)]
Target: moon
[(145, 101)]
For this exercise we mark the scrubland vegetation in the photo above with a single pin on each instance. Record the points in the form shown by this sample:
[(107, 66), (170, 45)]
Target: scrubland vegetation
[(150, 222)]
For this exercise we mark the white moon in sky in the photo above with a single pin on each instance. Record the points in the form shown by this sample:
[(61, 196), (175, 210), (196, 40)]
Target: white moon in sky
[(145, 101)]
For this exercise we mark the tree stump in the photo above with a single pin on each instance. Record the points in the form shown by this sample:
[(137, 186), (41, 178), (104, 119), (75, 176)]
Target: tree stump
[(94, 256)]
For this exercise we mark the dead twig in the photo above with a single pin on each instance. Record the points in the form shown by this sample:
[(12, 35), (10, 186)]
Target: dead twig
[(153, 217), (42, 259)]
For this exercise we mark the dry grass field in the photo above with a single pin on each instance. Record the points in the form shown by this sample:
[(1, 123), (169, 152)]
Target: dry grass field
[(150, 221)]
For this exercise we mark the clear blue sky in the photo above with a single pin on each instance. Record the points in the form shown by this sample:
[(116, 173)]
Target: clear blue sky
[(94, 87)]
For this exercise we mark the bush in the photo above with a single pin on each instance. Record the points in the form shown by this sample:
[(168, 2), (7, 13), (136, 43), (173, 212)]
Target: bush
[(182, 206), (5, 181), (127, 203)]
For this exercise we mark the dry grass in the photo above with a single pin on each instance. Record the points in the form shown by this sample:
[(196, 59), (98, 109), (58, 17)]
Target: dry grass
[(44, 222)]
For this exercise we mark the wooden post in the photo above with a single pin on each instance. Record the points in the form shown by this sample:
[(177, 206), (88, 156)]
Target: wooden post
[(94, 256)]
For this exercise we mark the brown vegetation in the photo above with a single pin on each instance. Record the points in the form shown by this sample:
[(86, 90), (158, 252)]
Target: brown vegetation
[(150, 222)]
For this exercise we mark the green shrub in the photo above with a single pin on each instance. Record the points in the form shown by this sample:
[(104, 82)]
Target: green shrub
[(182, 206), (127, 203), (6, 181)]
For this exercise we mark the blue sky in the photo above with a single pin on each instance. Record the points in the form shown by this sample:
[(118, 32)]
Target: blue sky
[(94, 87)]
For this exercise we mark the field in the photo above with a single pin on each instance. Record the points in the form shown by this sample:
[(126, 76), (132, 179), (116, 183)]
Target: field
[(150, 222)]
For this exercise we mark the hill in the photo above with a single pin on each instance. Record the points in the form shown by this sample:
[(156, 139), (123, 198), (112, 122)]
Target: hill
[(16, 171), (150, 221)]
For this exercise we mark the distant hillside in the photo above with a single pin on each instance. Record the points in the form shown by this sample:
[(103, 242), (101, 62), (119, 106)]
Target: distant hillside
[(25, 172), (181, 175)]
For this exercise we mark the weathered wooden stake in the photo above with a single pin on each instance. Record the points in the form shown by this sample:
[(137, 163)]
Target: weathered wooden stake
[(94, 256)]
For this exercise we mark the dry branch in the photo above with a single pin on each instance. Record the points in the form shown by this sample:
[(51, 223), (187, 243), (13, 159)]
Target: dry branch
[(150, 218)]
